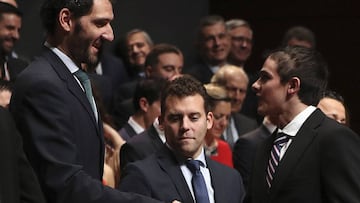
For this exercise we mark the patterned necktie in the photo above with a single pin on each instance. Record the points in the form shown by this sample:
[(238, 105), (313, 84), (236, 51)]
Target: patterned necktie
[(280, 140), (198, 182), (85, 82)]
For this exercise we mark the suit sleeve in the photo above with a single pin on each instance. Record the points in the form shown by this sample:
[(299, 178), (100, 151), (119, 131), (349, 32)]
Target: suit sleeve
[(43, 114), (340, 166), (243, 158), (134, 181)]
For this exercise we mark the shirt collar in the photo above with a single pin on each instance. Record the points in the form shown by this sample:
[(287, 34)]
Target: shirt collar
[(294, 126), (64, 58)]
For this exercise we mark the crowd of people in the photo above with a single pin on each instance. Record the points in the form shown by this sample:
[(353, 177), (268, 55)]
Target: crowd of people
[(82, 124)]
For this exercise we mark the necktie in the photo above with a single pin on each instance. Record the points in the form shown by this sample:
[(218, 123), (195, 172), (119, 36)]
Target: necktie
[(85, 81), (198, 182), (280, 140)]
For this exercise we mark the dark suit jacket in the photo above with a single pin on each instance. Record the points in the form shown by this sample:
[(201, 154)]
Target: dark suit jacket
[(322, 164), (62, 138), (200, 71), (18, 182), (243, 124), (140, 146), (15, 66), (159, 176), (244, 151), (127, 132), (122, 112)]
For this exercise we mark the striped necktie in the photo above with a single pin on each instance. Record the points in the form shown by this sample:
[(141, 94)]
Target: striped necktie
[(280, 140)]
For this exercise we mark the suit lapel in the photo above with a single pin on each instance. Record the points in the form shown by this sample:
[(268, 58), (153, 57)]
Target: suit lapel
[(155, 139), (300, 143), (71, 83), (169, 164)]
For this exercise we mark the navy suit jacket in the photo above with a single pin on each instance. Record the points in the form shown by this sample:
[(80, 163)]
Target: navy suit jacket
[(245, 149), (322, 164), (62, 138), (140, 146), (18, 182), (200, 71), (159, 176), (243, 124)]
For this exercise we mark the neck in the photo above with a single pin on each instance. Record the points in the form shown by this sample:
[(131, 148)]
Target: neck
[(139, 118)]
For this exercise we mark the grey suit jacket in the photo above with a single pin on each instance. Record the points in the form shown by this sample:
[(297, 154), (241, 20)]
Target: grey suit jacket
[(159, 176), (322, 164), (62, 138)]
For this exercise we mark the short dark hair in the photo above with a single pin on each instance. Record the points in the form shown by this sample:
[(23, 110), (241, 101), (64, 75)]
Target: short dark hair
[(8, 8), (209, 21), (6, 85), (153, 57), (149, 88), (308, 65), (50, 10), (300, 33), (184, 86), (336, 96)]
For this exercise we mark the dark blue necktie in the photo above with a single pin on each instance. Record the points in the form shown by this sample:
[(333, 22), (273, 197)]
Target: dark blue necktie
[(198, 182)]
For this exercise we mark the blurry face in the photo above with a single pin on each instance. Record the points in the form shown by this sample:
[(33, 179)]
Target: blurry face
[(5, 96), (222, 113), (137, 48), (237, 88), (333, 109), (215, 44), (185, 124), (241, 44), (10, 25), (169, 66), (270, 92), (297, 42), (90, 32), (152, 112)]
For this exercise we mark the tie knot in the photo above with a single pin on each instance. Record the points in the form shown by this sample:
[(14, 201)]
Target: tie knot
[(193, 165), (81, 75), (281, 138)]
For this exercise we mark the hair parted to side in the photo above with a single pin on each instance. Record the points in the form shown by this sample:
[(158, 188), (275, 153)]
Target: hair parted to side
[(308, 65), (152, 59), (181, 87), (216, 94), (149, 88)]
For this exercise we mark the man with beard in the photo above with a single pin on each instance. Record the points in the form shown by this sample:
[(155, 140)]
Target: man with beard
[(10, 24), (55, 111)]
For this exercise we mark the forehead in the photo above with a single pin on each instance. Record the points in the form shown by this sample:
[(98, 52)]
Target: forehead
[(223, 107), (136, 37), (212, 30), (241, 31), (175, 104), (331, 104), (101, 9), (10, 18), (270, 67), (170, 58)]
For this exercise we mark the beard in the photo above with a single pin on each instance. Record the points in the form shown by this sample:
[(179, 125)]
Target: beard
[(81, 49)]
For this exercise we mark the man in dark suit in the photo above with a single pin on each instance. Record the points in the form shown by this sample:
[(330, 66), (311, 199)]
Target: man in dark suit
[(10, 24), (213, 44), (245, 148), (18, 181), (313, 158), (166, 175), (142, 145), (54, 109), (235, 80)]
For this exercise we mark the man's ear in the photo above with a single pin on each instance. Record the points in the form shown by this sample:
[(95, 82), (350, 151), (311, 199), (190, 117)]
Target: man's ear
[(144, 104), (65, 19), (294, 85), (148, 71), (210, 120)]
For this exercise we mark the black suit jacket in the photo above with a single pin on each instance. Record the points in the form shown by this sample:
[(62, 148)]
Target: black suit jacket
[(245, 149), (122, 112), (18, 182), (200, 71), (140, 146), (15, 66), (62, 138), (159, 176), (322, 164), (243, 124)]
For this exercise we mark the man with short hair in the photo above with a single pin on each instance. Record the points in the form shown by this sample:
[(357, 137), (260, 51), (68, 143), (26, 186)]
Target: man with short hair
[(171, 173), (241, 36), (10, 25), (213, 44), (310, 157), (55, 110), (299, 36)]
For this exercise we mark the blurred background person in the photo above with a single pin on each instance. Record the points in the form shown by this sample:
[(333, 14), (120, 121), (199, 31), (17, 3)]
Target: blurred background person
[(299, 36), (220, 105), (5, 93), (333, 105)]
